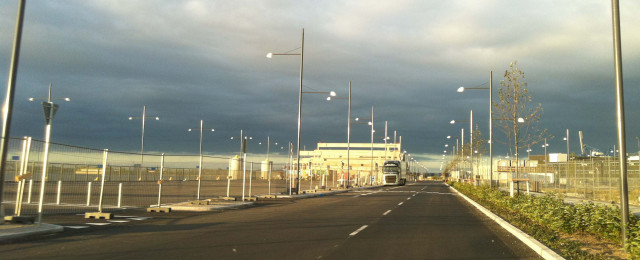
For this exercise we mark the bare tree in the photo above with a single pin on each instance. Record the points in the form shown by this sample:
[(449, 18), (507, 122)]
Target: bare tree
[(515, 114)]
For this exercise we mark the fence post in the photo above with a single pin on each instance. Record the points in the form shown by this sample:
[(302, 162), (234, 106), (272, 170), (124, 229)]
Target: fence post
[(229, 178), (244, 172), (26, 145), (88, 194), (119, 195), (30, 189), (160, 181), (250, 179), (59, 192), (45, 161), (269, 166), (104, 173)]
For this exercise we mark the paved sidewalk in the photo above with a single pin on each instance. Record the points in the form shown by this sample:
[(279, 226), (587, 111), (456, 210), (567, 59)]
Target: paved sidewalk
[(10, 231)]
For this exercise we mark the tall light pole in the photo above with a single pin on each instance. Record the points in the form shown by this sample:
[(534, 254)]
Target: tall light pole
[(268, 162), (490, 88), (269, 55), (566, 138), (49, 112), (143, 117), (7, 109), (470, 121), (617, 50), (371, 123), (372, 132), (545, 145), (243, 154), (348, 132), (200, 163)]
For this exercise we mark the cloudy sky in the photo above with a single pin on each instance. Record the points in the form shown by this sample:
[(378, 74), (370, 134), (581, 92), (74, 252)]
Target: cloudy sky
[(193, 60)]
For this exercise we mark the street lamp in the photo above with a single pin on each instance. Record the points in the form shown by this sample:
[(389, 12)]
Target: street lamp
[(268, 162), (200, 163), (566, 138), (331, 94), (243, 151), (470, 121), (7, 108), (143, 117), (49, 112), (301, 54), (490, 88), (348, 130), (545, 145), (457, 144), (371, 123)]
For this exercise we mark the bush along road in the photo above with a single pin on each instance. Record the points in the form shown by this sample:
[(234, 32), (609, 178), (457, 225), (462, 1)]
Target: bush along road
[(581, 231)]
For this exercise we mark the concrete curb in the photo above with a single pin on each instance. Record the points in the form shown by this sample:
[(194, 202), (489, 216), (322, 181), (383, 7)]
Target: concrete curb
[(319, 193), (531, 242), (28, 230), (211, 207)]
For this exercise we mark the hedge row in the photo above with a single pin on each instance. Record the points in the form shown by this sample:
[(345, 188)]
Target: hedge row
[(547, 217)]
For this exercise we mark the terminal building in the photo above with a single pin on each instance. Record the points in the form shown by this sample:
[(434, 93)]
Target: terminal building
[(364, 161)]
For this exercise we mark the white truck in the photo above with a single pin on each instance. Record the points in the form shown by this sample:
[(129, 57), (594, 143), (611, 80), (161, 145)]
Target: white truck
[(394, 173)]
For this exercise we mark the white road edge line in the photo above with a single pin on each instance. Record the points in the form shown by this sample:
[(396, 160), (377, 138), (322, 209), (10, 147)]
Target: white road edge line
[(534, 244), (387, 212), (357, 231)]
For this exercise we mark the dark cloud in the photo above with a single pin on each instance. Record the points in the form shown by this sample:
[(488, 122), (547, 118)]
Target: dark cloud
[(193, 60)]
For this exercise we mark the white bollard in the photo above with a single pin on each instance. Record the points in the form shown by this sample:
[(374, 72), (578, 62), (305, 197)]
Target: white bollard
[(59, 192), (89, 194)]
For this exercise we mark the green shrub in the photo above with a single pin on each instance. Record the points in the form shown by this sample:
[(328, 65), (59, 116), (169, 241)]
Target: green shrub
[(545, 217)]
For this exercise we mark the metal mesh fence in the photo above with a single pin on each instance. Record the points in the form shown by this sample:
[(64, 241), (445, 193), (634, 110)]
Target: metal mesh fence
[(79, 180), (596, 178)]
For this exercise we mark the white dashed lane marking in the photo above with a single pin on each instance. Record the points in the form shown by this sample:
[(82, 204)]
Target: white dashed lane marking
[(387, 212), (358, 231)]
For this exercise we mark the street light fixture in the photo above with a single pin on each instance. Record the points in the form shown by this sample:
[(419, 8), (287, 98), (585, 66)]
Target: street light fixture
[(490, 88), (143, 117), (301, 54), (332, 93), (348, 131), (49, 112), (371, 123), (545, 145), (470, 121), (200, 163)]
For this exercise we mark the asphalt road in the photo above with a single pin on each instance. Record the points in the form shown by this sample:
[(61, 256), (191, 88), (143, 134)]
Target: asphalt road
[(418, 221)]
